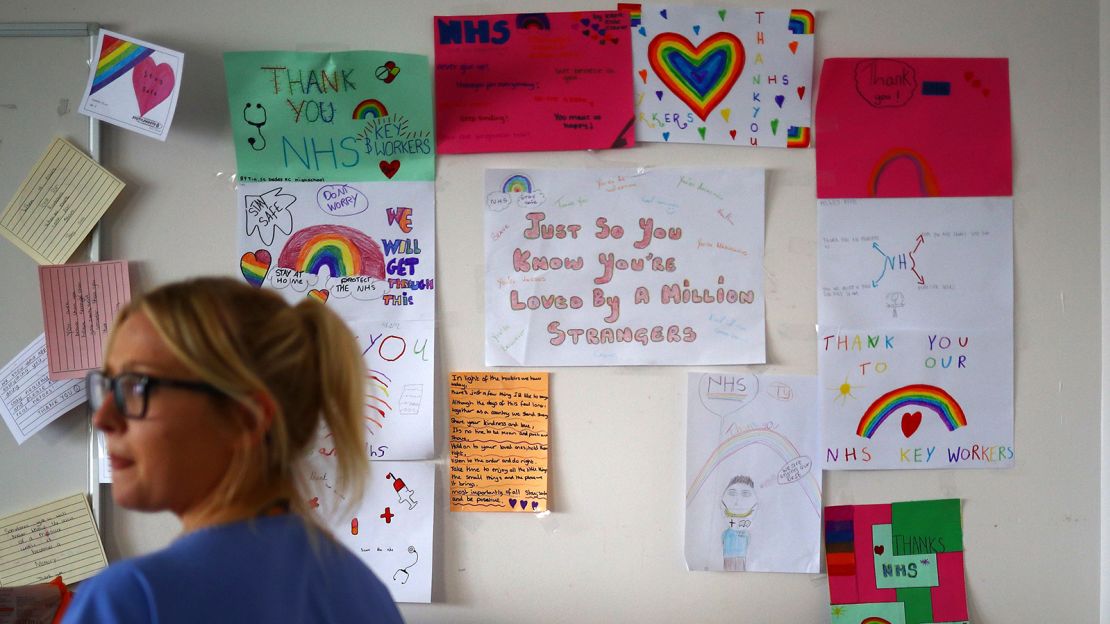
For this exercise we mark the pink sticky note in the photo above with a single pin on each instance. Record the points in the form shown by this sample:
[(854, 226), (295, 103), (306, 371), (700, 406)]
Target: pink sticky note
[(533, 81), (949, 599), (913, 127), (79, 303)]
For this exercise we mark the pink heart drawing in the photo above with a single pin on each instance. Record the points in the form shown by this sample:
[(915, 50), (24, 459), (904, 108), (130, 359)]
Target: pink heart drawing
[(153, 84)]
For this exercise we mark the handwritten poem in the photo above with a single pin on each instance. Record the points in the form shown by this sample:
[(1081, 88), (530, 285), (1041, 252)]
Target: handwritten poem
[(58, 538), (499, 424)]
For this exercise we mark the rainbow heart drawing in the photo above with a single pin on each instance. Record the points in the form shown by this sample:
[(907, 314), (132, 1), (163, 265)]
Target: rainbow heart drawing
[(153, 83), (255, 265), (318, 295), (701, 76)]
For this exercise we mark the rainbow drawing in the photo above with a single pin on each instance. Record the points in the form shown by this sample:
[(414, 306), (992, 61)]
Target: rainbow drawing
[(927, 182), (117, 57), (343, 250), (517, 184), (255, 265), (635, 12), (701, 76), (932, 397), (797, 136), (533, 21), (801, 22), (780, 444), (369, 108), (874, 620)]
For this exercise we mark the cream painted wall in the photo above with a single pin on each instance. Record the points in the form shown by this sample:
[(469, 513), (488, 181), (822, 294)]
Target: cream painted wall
[(612, 549)]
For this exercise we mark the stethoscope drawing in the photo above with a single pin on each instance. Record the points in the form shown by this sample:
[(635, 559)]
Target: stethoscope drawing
[(405, 570), (257, 126)]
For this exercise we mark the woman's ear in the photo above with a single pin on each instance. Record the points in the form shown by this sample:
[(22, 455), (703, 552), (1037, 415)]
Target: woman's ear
[(259, 416)]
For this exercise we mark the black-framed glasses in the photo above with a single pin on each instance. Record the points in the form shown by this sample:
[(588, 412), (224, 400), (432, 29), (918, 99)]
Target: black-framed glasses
[(131, 391)]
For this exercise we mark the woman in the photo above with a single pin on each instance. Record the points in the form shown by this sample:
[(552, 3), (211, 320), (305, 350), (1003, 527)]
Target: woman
[(211, 393)]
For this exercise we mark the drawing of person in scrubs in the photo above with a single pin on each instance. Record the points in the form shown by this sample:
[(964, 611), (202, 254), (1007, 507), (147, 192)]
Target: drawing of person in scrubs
[(738, 503)]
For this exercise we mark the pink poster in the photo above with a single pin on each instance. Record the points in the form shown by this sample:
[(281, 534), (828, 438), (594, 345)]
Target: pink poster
[(533, 81), (913, 127)]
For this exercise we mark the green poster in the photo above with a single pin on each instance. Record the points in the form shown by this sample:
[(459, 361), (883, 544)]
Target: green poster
[(931, 526), (331, 116)]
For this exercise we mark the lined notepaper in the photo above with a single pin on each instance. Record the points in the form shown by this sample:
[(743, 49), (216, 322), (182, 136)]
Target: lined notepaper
[(58, 203), (79, 303), (57, 538), (29, 400)]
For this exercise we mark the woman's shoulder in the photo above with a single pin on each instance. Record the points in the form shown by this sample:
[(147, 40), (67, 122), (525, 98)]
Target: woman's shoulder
[(119, 593)]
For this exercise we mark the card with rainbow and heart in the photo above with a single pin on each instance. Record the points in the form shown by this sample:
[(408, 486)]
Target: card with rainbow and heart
[(896, 563), (722, 76), (133, 84)]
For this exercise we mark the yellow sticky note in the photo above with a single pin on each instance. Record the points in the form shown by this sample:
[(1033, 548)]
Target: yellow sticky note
[(58, 203), (499, 441), (55, 539)]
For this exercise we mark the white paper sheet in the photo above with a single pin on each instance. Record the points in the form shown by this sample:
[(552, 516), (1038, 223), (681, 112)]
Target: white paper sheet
[(367, 250), (753, 481), (392, 529), (58, 538), (29, 400), (608, 267), (723, 75), (915, 335)]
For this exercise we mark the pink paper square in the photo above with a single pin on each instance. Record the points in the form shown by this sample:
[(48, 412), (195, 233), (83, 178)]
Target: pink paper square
[(950, 597), (867, 516), (79, 304)]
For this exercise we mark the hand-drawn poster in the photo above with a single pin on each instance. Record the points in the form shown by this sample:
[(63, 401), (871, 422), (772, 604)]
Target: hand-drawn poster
[(915, 332), (914, 127), (331, 116), (391, 530), (366, 250), (724, 76), (900, 563), (753, 486), (499, 424), (29, 400), (134, 84), (614, 267), (79, 304), (533, 81)]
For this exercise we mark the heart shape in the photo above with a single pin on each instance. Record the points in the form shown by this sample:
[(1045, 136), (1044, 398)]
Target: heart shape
[(663, 13), (666, 136), (697, 29), (535, 504), (793, 45), (732, 133), (725, 112), (779, 99), (586, 32), (512, 503), (879, 549), (701, 131), (319, 294), (255, 265), (910, 423), (643, 31), (152, 83), (315, 502), (585, 21), (801, 92), (775, 127), (722, 13), (389, 168), (701, 76), (643, 75)]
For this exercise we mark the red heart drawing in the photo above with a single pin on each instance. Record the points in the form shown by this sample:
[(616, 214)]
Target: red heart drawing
[(315, 502), (643, 75), (732, 133), (793, 45), (389, 168), (152, 83), (910, 423), (801, 92), (879, 549)]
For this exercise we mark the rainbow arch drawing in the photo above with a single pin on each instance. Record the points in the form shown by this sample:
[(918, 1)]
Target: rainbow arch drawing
[(915, 395), (926, 180), (875, 620), (536, 21), (776, 442), (117, 57), (801, 22), (369, 108), (797, 136), (343, 250), (517, 184)]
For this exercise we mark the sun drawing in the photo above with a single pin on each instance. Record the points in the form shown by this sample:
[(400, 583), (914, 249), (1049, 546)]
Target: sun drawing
[(844, 391)]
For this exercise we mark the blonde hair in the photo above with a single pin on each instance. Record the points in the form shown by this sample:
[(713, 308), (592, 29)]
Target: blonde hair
[(261, 351)]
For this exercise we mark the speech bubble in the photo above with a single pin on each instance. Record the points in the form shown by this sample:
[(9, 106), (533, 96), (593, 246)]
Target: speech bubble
[(794, 470), (267, 212), (288, 278), (534, 199), (341, 200), (360, 287), (885, 83), (498, 201), (724, 394)]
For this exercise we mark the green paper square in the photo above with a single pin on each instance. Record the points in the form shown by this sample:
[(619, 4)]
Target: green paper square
[(892, 612), (926, 527), (918, 602), (897, 571)]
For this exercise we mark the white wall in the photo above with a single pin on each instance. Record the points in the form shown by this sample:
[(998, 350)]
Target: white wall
[(612, 549)]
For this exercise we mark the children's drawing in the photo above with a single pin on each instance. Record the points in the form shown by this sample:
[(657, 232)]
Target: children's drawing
[(334, 116), (753, 497), (914, 127), (896, 563), (733, 76), (133, 85), (395, 541), (925, 340), (607, 267)]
